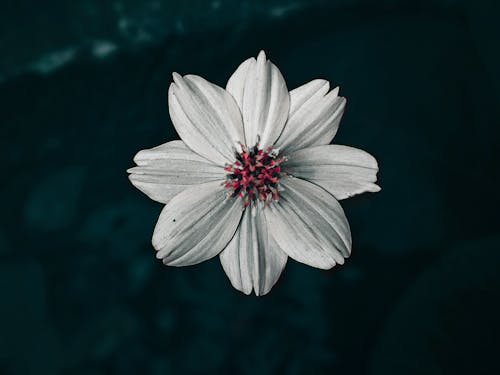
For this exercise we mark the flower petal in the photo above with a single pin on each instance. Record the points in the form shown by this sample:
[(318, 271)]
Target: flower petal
[(196, 225), (341, 170), (314, 116), (166, 170), (206, 117), (252, 259), (261, 93), (309, 224)]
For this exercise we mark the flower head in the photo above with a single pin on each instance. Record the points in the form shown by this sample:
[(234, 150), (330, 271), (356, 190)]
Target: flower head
[(254, 179)]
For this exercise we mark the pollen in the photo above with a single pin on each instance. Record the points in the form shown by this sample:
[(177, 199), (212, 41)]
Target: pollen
[(254, 175)]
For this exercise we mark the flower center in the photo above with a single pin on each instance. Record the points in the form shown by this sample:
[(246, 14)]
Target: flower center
[(254, 175)]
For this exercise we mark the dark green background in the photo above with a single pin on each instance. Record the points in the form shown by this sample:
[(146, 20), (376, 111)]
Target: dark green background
[(83, 88)]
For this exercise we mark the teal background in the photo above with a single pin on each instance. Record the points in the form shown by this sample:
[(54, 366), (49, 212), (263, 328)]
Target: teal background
[(83, 88)]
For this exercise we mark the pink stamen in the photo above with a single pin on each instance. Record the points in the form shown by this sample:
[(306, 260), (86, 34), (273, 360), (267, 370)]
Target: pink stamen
[(254, 175)]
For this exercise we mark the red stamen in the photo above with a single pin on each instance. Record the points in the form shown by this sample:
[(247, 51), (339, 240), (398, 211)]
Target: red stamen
[(254, 175)]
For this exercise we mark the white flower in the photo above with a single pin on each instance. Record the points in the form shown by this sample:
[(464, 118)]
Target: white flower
[(254, 178)]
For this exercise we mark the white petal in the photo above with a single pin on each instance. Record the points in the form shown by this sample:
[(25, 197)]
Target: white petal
[(343, 171), (314, 116), (253, 259), (196, 225), (309, 224), (168, 169), (206, 117), (261, 93)]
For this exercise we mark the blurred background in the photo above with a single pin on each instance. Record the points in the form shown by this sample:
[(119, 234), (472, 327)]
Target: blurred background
[(83, 88)]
